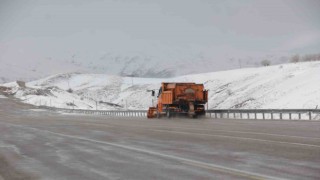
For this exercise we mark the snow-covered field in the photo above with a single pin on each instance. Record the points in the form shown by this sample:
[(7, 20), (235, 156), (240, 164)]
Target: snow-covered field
[(281, 86)]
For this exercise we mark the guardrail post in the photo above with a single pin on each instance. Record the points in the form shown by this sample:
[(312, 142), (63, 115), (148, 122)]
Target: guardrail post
[(248, 115), (280, 115), (228, 114), (234, 115), (309, 115), (271, 114), (215, 115), (240, 115), (290, 115), (255, 114), (263, 116)]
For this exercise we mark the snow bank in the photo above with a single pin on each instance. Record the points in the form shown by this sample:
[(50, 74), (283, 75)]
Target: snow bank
[(2, 96)]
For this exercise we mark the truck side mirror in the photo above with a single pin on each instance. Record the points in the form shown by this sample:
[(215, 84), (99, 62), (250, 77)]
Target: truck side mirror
[(152, 93)]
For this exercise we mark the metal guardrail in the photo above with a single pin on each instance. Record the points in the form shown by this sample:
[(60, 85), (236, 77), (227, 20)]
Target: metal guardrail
[(129, 113), (272, 114), (289, 114)]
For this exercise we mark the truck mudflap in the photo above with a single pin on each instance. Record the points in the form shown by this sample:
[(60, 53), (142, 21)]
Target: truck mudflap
[(152, 112)]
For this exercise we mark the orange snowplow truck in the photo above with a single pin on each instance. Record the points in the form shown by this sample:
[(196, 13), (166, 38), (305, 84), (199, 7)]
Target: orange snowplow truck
[(179, 98)]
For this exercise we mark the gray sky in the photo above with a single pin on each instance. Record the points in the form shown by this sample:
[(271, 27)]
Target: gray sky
[(60, 28)]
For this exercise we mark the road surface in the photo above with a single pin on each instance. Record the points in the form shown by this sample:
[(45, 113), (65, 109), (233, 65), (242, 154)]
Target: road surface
[(39, 144)]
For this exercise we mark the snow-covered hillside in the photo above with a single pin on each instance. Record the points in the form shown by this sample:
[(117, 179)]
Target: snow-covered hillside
[(281, 86)]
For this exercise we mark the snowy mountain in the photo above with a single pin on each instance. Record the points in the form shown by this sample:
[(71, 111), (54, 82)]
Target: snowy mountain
[(279, 86), (28, 70), (142, 65), (131, 64)]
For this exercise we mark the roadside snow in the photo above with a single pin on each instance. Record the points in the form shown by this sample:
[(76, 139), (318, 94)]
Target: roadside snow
[(282, 86), (2, 96)]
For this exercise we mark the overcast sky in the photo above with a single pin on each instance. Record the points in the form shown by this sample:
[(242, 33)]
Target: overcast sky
[(38, 28)]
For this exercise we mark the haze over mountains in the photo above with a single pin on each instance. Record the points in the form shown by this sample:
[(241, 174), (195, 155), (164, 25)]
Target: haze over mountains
[(160, 38), (124, 65)]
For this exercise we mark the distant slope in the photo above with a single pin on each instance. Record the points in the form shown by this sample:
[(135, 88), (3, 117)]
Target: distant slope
[(135, 64), (280, 86)]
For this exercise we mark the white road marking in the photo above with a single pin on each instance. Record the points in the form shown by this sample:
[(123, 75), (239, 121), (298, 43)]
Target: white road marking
[(95, 124), (242, 132), (243, 138), (216, 167)]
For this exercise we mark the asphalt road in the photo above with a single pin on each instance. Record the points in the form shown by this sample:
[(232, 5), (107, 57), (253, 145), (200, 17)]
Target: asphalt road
[(37, 144)]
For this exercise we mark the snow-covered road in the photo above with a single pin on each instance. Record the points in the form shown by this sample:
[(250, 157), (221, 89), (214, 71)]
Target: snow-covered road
[(47, 145)]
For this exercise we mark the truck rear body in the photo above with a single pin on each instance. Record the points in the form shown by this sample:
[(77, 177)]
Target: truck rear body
[(179, 98)]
